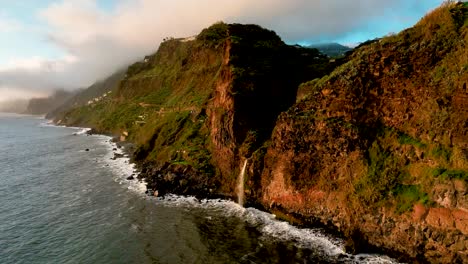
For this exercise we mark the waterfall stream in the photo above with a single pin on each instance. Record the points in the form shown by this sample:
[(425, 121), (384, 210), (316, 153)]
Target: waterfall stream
[(240, 185)]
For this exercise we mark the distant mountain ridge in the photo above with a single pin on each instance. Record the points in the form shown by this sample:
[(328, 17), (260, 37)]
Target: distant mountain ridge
[(331, 49)]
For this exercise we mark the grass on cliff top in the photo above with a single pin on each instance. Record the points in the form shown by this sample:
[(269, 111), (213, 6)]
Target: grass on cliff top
[(441, 30), (214, 35)]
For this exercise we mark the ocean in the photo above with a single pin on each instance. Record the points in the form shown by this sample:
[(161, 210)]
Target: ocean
[(62, 204)]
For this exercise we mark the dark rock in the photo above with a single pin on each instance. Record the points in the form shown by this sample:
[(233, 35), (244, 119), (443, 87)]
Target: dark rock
[(92, 132), (117, 156), (86, 149), (131, 177)]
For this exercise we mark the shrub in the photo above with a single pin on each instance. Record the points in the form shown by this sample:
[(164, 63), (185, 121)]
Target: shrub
[(383, 175), (407, 195), (441, 152), (405, 139), (215, 34), (447, 174)]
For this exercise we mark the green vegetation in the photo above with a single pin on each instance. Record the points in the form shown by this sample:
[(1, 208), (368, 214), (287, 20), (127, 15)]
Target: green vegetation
[(161, 104), (215, 35), (383, 175), (408, 195), (105, 87), (405, 139), (441, 152), (446, 174), (178, 138)]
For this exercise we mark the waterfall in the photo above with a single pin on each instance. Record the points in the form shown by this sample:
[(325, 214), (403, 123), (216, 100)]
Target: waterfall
[(240, 185)]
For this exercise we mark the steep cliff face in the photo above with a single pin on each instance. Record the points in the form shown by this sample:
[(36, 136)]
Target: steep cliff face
[(199, 106), (258, 80), (379, 148)]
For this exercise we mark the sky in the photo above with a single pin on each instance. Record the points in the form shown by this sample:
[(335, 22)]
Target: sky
[(68, 44)]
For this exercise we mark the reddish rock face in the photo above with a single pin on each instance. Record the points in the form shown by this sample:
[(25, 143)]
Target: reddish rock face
[(419, 212), (221, 116), (441, 218), (461, 220), (254, 85), (375, 147)]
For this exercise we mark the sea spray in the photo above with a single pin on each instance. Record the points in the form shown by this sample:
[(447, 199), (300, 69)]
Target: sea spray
[(240, 184), (330, 249)]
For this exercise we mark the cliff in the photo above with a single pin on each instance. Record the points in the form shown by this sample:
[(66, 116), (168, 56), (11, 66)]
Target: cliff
[(199, 105), (378, 149)]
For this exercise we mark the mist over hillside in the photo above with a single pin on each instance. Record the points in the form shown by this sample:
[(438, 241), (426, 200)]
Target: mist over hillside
[(42, 106), (14, 106)]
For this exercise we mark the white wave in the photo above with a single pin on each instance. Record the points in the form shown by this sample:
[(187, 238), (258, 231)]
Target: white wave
[(122, 168), (50, 123), (82, 131), (271, 228)]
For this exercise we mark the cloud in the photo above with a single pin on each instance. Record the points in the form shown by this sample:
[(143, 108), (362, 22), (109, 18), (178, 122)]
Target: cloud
[(8, 25), (10, 94), (101, 41)]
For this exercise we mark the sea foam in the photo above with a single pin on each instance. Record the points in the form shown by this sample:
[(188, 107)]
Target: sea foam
[(271, 228), (121, 167)]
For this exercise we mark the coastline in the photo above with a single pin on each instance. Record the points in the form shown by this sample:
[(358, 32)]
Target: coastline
[(118, 157), (276, 222)]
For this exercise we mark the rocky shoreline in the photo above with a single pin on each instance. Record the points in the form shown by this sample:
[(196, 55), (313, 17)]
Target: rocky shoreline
[(181, 180), (366, 233), (363, 232)]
